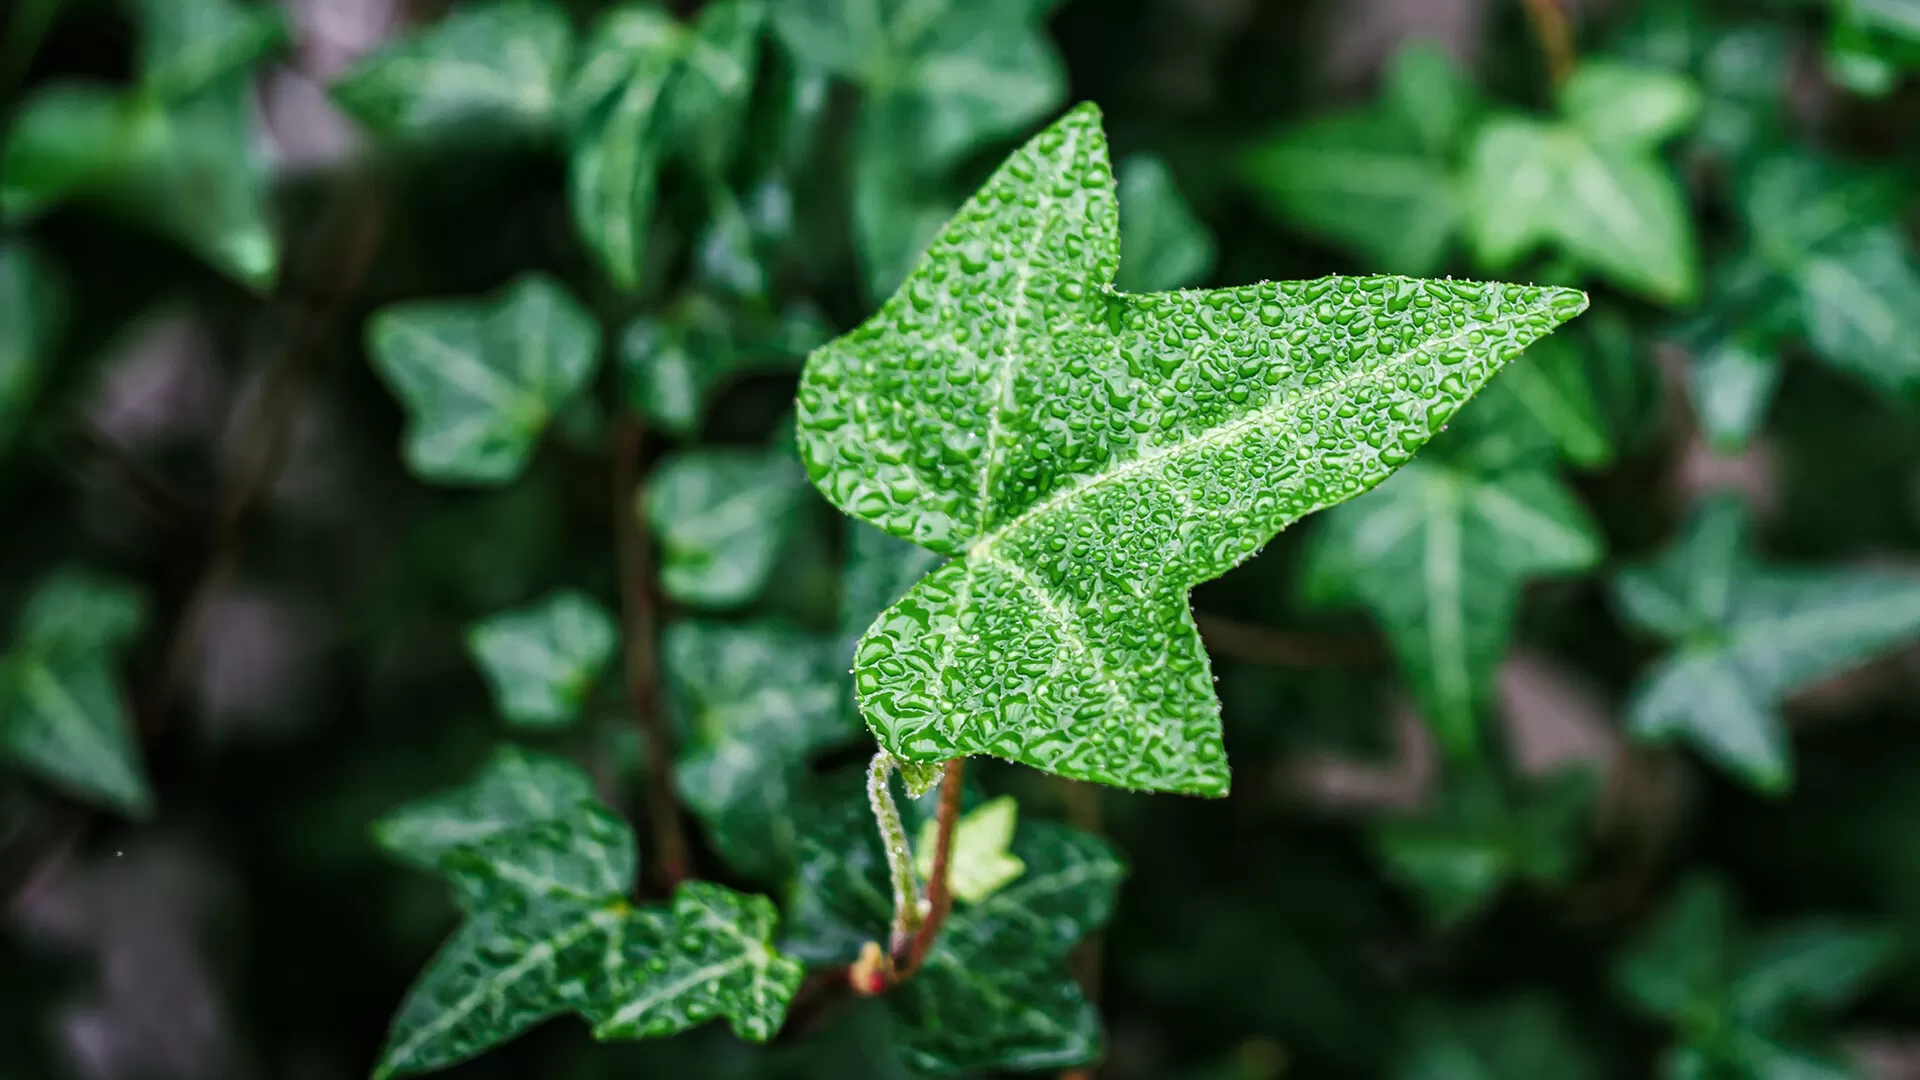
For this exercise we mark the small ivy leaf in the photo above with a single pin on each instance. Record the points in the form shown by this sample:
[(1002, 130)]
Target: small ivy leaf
[(480, 379), (752, 703), (542, 661), (585, 855), (616, 144), (1680, 964), (919, 777), (722, 516), (1522, 1038), (980, 865), (1425, 90), (1858, 300), (1372, 179), (1591, 184), (1006, 403), (1732, 383), (710, 97), (514, 788), (1544, 403), (1746, 636), (1162, 245), (672, 368), (714, 957), (62, 716), (1460, 854), (188, 45), (485, 69), (1871, 44), (32, 313), (502, 972), (1439, 555), (1817, 964), (994, 993), (185, 168)]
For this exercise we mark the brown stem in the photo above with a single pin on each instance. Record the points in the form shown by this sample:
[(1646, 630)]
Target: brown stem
[(643, 684), (939, 896), (1555, 35), (1280, 648)]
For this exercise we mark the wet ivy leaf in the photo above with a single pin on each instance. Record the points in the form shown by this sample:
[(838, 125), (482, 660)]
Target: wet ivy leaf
[(513, 789), (752, 703), (1745, 635), (980, 865), (1439, 555), (1740, 1002), (1591, 182), (722, 516), (616, 144), (1162, 245), (1479, 838), (185, 168), (1378, 179), (188, 45), (485, 69), (481, 378), (62, 715), (995, 993), (32, 313), (542, 661), (1004, 408), (1732, 383), (712, 956)]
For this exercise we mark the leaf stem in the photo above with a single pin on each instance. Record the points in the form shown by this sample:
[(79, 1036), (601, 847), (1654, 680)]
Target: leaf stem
[(1555, 35), (939, 896), (893, 838), (643, 684)]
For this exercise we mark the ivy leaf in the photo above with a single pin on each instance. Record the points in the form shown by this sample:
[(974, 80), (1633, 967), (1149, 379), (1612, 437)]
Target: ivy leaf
[(994, 993), (1591, 183), (585, 853), (1006, 406), (710, 98), (32, 313), (481, 378), (752, 703), (1872, 42), (515, 788), (722, 516), (980, 865), (1459, 854), (542, 661), (1163, 245), (188, 45), (185, 168), (1376, 179), (1732, 383), (484, 69), (616, 151), (672, 367), (61, 712), (1746, 635), (1439, 555), (1858, 300), (1518, 1039), (713, 956)]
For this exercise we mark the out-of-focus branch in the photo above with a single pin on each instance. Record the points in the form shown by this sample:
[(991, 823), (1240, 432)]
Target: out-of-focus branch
[(1554, 32)]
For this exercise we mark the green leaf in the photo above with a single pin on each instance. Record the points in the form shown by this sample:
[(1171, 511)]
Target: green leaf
[(722, 515), (1732, 384), (1523, 1038), (980, 865), (616, 144), (1006, 406), (32, 314), (1162, 245), (1439, 555), (188, 45), (1872, 42), (672, 367), (1362, 180), (994, 993), (1544, 403), (585, 854), (1424, 89), (481, 378), (713, 957), (185, 168), (1813, 964), (62, 715), (1460, 853), (484, 69), (1679, 965), (752, 702), (1591, 184), (708, 106), (542, 661), (1859, 300), (1746, 635), (515, 788)]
